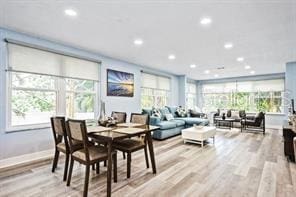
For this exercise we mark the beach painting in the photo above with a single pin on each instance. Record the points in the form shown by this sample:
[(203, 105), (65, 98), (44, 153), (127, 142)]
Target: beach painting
[(120, 83)]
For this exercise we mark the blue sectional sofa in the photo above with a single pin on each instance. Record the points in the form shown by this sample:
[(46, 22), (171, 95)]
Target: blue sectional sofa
[(173, 127)]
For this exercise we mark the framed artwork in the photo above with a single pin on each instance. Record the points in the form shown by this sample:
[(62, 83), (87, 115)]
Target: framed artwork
[(120, 83)]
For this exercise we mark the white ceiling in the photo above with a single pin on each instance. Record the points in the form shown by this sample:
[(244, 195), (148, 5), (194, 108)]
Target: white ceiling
[(263, 32)]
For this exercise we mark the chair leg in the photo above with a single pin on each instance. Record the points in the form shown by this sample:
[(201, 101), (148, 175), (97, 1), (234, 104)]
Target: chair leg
[(123, 154), (98, 168), (66, 166), (105, 163), (146, 156), (115, 167), (55, 160), (70, 172), (129, 160), (93, 167), (86, 180)]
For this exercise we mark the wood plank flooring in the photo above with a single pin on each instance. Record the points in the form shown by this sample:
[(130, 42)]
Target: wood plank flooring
[(239, 164)]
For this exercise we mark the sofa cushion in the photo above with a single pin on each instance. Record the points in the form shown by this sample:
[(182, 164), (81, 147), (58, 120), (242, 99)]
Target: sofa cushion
[(235, 114), (147, 111), (166, 125), (178, 122), (169, 117), (163, 112), (154, 120), (192, 121), (173, 110)]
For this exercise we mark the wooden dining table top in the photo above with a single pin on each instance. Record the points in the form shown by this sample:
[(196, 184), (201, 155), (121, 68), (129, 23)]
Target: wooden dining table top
[(118, 132)]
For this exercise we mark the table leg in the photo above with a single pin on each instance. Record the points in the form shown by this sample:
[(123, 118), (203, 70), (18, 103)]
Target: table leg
[(151, 151), (109, 169)]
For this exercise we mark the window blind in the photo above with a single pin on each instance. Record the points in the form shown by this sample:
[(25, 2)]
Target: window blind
[(245, 86), (155, 82), (31, 60)]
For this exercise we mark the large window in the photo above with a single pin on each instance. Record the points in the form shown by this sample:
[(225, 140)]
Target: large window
[(43, 84), (252, 96), (155, 90), (191, 95)]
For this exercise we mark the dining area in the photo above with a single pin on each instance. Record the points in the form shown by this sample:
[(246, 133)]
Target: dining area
[(95, 145)]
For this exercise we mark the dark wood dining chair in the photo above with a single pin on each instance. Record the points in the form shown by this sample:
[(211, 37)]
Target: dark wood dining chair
[(61, 142), (131, 145), (120, 117), (89, 155)]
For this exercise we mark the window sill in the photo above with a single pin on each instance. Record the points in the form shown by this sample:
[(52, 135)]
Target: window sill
[(269, 113), (22, 128)]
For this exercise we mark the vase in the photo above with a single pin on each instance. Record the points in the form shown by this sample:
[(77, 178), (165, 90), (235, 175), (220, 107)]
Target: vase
[(102, 118)]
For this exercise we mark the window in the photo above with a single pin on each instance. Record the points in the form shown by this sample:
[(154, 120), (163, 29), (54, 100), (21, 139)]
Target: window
[(43, 84), (155, 90), (80, 98), (190, 95), (252, 96), (33, 98)]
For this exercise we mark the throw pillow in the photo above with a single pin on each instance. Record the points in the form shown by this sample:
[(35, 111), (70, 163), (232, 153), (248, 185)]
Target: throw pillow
[(223, 111), (156, 113), (235, 114), (169, 117), (181, 112), (197, 109), (194, 113)]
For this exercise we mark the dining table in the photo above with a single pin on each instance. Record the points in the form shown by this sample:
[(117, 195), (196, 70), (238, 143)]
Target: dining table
[(108, 135)]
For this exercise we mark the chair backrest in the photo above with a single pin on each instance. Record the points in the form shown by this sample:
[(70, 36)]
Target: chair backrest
[(77, 133), (259, 118), (59, 130), (120, 117), (140, 118)]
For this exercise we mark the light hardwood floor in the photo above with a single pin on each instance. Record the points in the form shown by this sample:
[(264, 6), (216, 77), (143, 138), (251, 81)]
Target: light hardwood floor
[(239, 164)]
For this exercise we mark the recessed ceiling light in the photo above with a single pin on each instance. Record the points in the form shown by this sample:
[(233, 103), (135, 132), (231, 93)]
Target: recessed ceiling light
[(252, 72), (192, 66), (207, 71), (205, 21), (228, 45), (172, 57), (216, 75), (70, 12), (247, 67), (240, 59), (138, 42)]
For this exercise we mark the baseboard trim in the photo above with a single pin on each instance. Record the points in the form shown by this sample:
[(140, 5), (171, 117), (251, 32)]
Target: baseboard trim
[(27, 159)]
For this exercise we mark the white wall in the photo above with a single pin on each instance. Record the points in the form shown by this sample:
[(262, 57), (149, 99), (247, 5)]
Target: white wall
[(30, 141)]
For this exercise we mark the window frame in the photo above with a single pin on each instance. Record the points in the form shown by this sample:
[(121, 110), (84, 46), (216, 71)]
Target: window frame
[(193, 94), (60, 104)]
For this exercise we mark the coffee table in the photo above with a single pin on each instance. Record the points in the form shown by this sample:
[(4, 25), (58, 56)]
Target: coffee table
[(226, 123), (198, 135)]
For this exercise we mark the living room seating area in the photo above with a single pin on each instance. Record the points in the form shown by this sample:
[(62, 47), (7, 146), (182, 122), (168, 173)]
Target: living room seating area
[(170, 122)]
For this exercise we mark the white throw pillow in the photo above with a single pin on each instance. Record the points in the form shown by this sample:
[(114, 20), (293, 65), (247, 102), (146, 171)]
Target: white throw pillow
[(235, 114), (223, 111), (169, 117)]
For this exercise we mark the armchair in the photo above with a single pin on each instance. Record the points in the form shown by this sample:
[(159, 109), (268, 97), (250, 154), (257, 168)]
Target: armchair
[(256, 122)]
